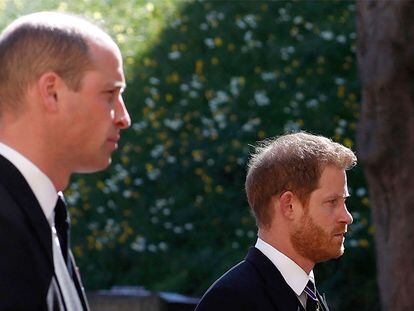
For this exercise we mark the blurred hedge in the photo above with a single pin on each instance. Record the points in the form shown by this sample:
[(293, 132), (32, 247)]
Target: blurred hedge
[(206, 80)]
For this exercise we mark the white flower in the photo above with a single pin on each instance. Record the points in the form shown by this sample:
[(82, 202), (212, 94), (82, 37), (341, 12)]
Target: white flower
[(309, 26), (154, 81), (127, 194), (298, 20), (195, 83), (339, 131), (234, 86), (171, 159), (250, 19), (341, 39), (220, 98), (174, 55), (184, 87), (268, 76), (178, 230), (312, 103), (149, 102), (261, 98), (291, 126), (138, 127), (239, 232), (342, 123), (176, 23), (189, 226), (250, 125), (138, 181), (339, 81), (152, 248), (204, 26), (154, 174), (163, 246), (160, 203), (241, 24), (173, 124), (209, 42), (327, 35), (248, 36), (361, 192), (299, 96), (193, 94), (157, 151)]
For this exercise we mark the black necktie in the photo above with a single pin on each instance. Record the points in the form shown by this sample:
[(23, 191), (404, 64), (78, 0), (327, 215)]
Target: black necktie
[(62, 225), (312, 300)]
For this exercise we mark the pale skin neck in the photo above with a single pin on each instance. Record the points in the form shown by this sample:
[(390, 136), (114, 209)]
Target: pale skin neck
[(277, 235), (28, 135)]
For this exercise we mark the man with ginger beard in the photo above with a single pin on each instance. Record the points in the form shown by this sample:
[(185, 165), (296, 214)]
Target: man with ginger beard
[(296, 187)]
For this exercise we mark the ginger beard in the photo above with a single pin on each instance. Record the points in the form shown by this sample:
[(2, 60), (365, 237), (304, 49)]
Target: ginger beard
[(311, 241)]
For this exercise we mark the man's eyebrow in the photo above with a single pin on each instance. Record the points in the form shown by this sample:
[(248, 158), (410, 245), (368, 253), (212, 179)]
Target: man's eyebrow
[(117, 85), (120, 85)]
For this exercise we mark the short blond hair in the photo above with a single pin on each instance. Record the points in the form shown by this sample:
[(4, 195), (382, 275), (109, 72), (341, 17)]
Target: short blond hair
[(290, 162), (37, 43)]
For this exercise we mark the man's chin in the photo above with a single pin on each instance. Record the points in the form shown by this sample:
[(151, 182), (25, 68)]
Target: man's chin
[(334, 253), (95, 167), (339, 252)]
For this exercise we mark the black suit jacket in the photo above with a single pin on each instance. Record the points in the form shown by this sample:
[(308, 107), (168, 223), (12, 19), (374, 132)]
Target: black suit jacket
[(26, 256), (255, 284)]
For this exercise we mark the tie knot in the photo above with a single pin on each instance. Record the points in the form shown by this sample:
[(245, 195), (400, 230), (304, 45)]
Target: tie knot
[(311, 291)]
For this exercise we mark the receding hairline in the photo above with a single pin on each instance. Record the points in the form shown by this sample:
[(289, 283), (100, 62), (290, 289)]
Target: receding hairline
[(86, 29), (91, 35)]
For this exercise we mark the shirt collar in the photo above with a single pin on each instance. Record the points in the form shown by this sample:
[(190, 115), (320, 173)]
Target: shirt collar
[(294, 275), (41, 185)]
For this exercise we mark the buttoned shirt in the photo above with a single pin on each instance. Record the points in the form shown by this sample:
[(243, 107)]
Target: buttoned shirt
[(293, 274), (41, 185)]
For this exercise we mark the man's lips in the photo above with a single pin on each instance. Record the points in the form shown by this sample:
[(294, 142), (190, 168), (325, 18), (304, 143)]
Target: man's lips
[(114, 139), (340, 235)]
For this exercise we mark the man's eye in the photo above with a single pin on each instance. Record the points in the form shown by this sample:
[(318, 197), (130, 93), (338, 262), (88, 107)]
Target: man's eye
[(111, 94)]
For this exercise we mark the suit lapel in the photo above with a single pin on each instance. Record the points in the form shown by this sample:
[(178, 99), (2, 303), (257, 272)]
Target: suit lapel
[(281, 295), (14, 182)]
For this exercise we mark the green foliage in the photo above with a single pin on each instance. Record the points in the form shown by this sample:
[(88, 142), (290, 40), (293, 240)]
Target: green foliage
[(206, 79)]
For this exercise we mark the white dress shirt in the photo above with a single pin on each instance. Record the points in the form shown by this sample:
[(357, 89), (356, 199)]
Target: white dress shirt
[(294, 275), (41, 185)]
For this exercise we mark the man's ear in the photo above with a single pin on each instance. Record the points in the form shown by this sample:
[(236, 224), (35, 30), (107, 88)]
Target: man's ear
[(48, 86), (286, 204)]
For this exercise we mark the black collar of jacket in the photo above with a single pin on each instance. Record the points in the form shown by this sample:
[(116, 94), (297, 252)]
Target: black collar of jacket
[(14, 182), (275, 285)]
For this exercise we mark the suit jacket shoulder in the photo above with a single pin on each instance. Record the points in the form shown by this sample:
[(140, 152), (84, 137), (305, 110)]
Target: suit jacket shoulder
[(254, 284), (26, 262)]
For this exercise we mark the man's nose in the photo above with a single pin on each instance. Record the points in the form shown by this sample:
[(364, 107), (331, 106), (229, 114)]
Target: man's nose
[(122, 118), (346, 216)]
